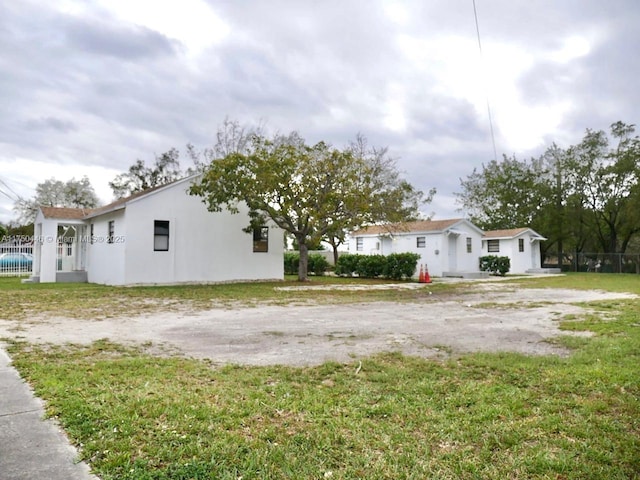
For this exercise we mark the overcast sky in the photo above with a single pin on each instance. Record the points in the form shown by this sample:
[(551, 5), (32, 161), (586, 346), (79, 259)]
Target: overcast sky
[(89, 86)]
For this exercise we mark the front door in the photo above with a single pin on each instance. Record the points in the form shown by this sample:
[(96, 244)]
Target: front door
[(535, 250), (453, 252)]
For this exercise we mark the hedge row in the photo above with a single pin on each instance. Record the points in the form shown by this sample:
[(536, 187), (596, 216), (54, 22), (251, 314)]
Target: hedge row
[(395, 266), (317, 264), (495, 265)]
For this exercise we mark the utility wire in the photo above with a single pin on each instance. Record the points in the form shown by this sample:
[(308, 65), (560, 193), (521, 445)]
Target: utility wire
[(493, 138), (8, 187)]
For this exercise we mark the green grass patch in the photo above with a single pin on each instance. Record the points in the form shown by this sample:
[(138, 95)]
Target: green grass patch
[(92, 301), (137, 416), (610, 282), (481, 416)]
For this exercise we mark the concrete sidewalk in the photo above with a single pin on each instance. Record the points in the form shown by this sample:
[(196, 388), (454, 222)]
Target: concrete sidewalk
[(31, 448)]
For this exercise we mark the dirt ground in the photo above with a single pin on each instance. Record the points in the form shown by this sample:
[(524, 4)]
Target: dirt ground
[(493, 317)]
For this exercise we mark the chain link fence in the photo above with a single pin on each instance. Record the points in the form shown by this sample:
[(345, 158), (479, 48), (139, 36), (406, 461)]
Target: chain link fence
[(602, 262)]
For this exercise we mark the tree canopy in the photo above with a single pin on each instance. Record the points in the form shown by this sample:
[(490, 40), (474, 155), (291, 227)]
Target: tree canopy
[(165, 169), (55, 193), (583, 198), (313, 192)]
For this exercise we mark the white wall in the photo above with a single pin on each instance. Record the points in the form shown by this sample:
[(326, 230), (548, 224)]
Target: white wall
[(203, 246), (45, 250), (105, 262), (520, 261), (435, 253)]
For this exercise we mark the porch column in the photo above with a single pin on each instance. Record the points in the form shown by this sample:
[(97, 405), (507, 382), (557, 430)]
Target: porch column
[(48, 251)]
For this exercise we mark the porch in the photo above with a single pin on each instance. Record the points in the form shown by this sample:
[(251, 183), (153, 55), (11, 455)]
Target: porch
[(59, 251)]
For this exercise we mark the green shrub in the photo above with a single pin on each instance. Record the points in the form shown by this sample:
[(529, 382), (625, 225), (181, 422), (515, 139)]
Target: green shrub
[(347, 264), (291, 262), (495, 265), (317, 264), (401, 265), (371, 266)]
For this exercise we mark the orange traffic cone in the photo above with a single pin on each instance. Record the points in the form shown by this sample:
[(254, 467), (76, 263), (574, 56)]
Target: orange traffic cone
[(421, 277), (427, 278)]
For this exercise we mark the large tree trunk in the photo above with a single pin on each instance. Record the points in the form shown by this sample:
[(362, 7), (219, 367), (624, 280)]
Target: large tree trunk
[(304, 260)]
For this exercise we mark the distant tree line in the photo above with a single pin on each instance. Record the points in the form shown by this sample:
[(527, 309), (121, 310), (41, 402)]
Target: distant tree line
[(584, 198)]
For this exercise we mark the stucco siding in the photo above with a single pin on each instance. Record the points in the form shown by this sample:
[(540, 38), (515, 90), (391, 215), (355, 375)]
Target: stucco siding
[(106, 260), (203, 246), (440, 252)]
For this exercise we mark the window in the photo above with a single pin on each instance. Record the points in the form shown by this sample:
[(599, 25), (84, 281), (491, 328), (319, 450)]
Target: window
[(261, 239), (493, 246), (469, 245), (521, 244), (111, 230), (359, 244), (421, 242), (91, 233), (160, 235)]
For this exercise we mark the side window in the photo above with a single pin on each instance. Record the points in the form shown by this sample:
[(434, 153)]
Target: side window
[(160, 235), (421, 242), (359, 244), (493, 246), (111, 230), (469, 245), (521, 244), (91, 234), (261, 239)]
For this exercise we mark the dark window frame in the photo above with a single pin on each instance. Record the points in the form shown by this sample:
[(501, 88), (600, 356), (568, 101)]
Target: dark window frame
[(161, 230), (421, 242), (469, 245), (261, 239), (493, 246), (521, 244), (359, 244), (111, 231)]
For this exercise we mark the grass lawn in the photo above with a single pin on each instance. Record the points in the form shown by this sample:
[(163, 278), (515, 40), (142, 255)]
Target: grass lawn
[(135, 416), (91, 301)]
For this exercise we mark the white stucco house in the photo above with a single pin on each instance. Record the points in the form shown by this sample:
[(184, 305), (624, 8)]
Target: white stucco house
[(521, 245), (450, 247), (445, 246), (160, 236)]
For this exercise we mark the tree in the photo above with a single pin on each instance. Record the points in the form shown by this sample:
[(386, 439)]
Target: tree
[(231, 137), (504, 194), (307, 190), (55, 193), (397, 200), (165, 169), (608, 184), (584, 197)]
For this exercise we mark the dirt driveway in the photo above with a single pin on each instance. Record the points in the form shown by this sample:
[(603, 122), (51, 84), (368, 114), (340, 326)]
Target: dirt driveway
[(494, 317)]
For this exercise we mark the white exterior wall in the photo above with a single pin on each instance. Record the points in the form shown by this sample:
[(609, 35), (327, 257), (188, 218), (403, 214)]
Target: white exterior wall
[(441, 253), (203, 246), (520, 261), (105, 261), (461, 260), (45, 251)]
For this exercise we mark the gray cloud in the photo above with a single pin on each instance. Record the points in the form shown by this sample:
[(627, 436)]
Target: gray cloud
[(52, 123), (88, 89), (123, 42)]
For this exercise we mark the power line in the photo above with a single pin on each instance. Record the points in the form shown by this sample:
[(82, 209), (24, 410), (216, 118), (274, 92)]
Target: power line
[(8, 187), (493, 138)]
